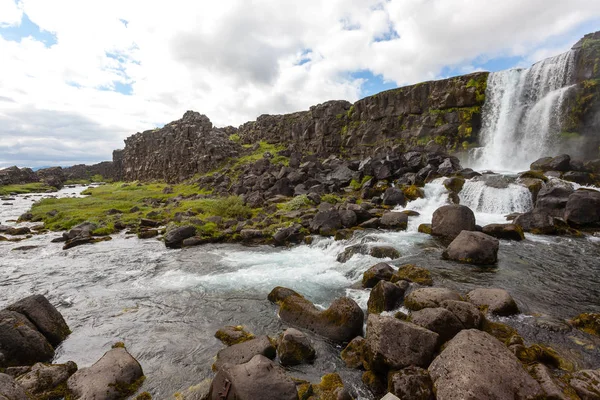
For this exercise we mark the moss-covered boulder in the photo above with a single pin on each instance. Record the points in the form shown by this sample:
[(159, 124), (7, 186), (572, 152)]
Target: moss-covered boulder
[(412, 273), (425, 228), (534, 175), (341, 322), (353, 353), (504, 231), (294, 348), (384, 252), (411, 383), (378, 272), (231, 335), (386, 296), (331, 387), (413, 192), (454, 184), (587, 322)]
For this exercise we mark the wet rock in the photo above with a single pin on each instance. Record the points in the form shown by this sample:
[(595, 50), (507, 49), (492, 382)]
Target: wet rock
[(231, 335), (259, 378), (295, 348), (429, 297), (394, 220), (540, 222), (494, 301), (348, 218), (149, 223), (44, 316), (553, 200), (385, 296), (411, 383), (372, 223), (504, 231), (394, 344), (438, 320), (469, 315), (473, 248), (350, 251), (378, 272), (81, 231), (384, 252), (20, 342), (11, 390), (114, 376), (412, 273), (454, 184), (341, 322), (148, 233), (353, 354), (243, 352), (552, 390), (394, 197), (474, 365), (541, 164), (326, 222), (43, 378), (15, 231), (425, 228), (583, 208), (175, 237), (292, 234), (374, 382), (448, 221), (587, 384), (582, 178), (587, 322), (330, 387)]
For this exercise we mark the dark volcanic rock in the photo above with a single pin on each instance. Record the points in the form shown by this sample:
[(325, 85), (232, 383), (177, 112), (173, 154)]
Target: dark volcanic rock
[(20, 341), (448, 221), (175, 237), (583, 208), (473, 248), (385, 296), (394, 197), (378, 272), (326, 222), (504, 231)]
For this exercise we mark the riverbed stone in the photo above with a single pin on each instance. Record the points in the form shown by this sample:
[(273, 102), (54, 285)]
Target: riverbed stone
[(583, 208), (10, 389), (326, 222), (294, 348), (243, 352), (586, 383), (493, 300), (394, 220), (429, 297), (231, 335), (341, 322), (353, 353), (114, 376), (469, 315), (20, 342), (473, 248), (474, 365), (449, 220), (385, 296), (378, 272), (412, 273), (384, 252), (544, 377), (438, 320), (504, 231), (394, 197), (43, 378), (540, 222), (587, 322), (259, 378), (395, 344), (175, 237), (44, 316), (411, 383)]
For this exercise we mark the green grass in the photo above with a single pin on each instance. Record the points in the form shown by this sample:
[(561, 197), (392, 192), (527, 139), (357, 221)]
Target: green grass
[(297, 203), (36, 187), (257, 154), (123, 197)]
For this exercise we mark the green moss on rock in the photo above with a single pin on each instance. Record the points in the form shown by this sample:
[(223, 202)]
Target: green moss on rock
[(587, 322), (412, 273)]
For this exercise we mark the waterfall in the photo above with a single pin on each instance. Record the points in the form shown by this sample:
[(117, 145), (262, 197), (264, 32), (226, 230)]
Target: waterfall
[(480, 197), (522, 114)]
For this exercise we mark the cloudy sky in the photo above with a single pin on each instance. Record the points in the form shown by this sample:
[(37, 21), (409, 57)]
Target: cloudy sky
[(79, 76)]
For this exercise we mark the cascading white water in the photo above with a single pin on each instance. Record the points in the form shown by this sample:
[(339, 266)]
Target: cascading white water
[(522, 114), (480, 197)]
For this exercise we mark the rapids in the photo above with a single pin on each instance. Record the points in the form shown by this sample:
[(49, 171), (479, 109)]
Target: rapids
[(166, 304)]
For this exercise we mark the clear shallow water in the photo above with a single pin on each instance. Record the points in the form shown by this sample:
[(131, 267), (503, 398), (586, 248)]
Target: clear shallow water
[(167, 304)]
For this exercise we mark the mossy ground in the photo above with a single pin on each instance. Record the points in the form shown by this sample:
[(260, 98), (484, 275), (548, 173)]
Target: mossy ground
[(36, 187)]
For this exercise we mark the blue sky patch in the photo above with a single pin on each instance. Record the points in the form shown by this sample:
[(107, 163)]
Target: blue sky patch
[(372, 83), (25, 29)]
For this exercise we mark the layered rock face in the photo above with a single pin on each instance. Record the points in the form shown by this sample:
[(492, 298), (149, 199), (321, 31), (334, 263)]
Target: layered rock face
[(178, 150), (446, 111), (14, 176)]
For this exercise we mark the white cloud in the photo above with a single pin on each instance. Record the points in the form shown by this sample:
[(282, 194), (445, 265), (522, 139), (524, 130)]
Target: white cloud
[(233, 60)]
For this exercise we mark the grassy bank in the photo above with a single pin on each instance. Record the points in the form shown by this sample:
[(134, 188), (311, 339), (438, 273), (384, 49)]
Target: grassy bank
[(36, 187)]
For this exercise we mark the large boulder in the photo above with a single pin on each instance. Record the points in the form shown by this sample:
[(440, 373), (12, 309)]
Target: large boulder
[(587, 384), (429, 297), (394, 220), (43, 378), (553, 200), (539, 222), (259, 378), (114, 376), (411, 383), (475, 365), (385, 296), (44, 316), (473, 248), (20, 342), (326, 222), (438, 320), (243, 352), (504, 231), (448, 221), (353, 354), (395, 344), (468, 314), (175, 237), (394, 197), (378, 272), (11, 390), (294, 348), (494, 301), (341, 322), (583, 208)]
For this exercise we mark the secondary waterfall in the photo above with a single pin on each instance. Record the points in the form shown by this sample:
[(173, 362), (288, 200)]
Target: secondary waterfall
[(522, 114)]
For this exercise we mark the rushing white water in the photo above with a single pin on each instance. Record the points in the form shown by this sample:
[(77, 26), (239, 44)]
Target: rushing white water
[(491, 204), (522, 114)]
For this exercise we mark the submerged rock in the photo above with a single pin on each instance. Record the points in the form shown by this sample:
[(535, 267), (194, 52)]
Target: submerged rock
[(588, 322), (115, 376), (259, 378), (494, 301), (412, 273), (473, 248), (475, 365), (448, 221), (341, 322), (231, 335)]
